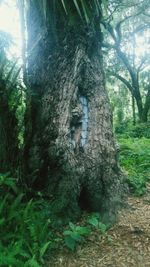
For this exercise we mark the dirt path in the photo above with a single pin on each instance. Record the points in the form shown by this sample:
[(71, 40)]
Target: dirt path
[(127, 244)]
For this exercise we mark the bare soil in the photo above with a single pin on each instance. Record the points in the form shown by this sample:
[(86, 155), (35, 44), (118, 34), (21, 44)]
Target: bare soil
[(126, 244)]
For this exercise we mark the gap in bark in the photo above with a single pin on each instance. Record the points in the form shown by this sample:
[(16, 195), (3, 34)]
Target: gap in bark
[(40, 183), (84, 119), (83, 201), (79, 124)]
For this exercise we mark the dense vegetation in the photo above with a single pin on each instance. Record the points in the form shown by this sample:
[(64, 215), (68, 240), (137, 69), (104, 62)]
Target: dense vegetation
[(134, 158), (29, 229)]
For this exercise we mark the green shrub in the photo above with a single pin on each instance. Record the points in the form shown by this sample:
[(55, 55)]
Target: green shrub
[(94, 221), (134, 158), (26, 231), (127, 130), (141, 130), (76, 234), (122, 128), (25, 227)]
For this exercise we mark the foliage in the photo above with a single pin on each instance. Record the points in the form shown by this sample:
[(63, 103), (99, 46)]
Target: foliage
[(76, 234), (94, 220), (12, 92), (84, 9), (26, 232), (126, 46), (134, 158), (25, 227), (141, 130), (120, 103), (126, 129)]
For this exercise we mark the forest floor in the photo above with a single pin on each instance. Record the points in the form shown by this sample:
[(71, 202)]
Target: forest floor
[(126, 244)]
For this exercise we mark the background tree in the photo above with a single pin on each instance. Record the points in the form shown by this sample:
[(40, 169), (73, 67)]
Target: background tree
[(8, 107), (121, 103), (69, 147), (127, 26)]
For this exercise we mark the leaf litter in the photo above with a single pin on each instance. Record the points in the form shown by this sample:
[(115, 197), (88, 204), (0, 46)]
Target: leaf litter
[(126, 244)]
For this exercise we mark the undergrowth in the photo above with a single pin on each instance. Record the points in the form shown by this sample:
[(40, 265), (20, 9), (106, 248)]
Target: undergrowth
[(134, 158), (27, 233), (127, 130), (76, 233), (25, 227)]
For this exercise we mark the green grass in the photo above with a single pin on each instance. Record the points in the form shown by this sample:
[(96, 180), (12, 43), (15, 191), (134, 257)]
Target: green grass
[(135, 160)]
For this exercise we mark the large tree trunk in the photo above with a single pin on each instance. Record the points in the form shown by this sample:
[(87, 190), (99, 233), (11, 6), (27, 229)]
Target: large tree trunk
[(70, 151)]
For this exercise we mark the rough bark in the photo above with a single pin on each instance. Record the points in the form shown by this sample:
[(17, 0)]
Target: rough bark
[(70, 150)]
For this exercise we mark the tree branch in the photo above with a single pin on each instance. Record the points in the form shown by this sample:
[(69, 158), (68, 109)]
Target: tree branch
[(141, 64), (139, 29), (123, 80), (107, 45)]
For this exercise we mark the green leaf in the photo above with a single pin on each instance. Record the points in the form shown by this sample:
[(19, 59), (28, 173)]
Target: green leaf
[(64, 6), (98, 6), (17, 201), (93, 221), (32, 263), (70, 243), (72, 226), (44, 8), (102, 227), (76, 236), (77, 8), (2, 221), (25, 254), (44, 248), (67, 232), (82, 230), (3, 203), (85, 11)]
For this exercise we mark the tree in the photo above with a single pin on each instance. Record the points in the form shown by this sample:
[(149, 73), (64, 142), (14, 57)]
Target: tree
[(8, 120), (120, 102), (69, 146), (125, 27)]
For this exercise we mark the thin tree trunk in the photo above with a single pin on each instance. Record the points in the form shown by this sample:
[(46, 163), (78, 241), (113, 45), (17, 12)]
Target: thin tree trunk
[(146, 107), (133, 110)]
